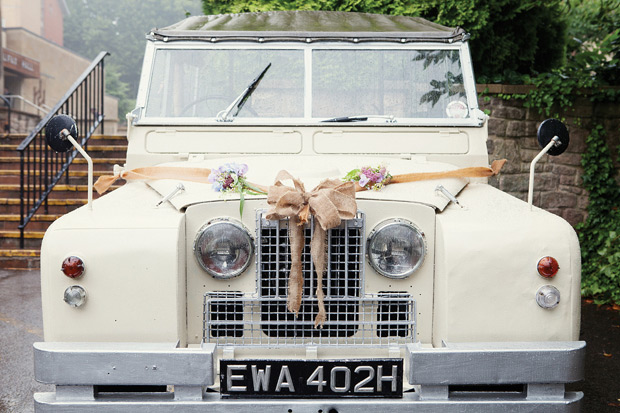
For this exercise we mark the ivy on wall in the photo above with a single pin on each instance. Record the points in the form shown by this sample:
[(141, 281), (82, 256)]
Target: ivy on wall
[(599, 235), (591, 71)]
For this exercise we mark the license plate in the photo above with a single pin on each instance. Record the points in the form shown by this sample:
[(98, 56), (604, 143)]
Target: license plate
[(311, 378)]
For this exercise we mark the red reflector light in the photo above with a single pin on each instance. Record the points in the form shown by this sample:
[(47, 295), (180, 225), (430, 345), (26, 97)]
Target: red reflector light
[(548, 267), (73, 267)]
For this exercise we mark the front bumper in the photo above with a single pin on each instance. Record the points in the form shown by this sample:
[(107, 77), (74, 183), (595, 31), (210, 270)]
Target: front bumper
[(459, 377)]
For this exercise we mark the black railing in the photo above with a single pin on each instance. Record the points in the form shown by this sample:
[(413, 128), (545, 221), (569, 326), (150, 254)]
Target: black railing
[(41, 167)]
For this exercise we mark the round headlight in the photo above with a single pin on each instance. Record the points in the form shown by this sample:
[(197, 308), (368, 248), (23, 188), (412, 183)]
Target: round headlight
[(396, 248), (223, 248)]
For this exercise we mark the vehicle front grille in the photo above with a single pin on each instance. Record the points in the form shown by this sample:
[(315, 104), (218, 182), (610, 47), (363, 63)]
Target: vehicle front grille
[(352, 316), (240, 320), (342, 281)]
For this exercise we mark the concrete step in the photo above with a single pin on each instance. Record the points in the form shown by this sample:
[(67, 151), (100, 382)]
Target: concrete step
[(11, 142), (10, 239), (75, 177), (15, 160), (20, 259), (14, 139), (60, 191), (55, 206), (39, 222), (95, 151)]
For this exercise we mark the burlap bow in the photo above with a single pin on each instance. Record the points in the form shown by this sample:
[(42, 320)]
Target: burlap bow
[(330, 202)]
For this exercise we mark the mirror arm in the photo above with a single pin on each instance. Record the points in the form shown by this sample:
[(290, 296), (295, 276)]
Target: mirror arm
[(65, 133), (530, 194)]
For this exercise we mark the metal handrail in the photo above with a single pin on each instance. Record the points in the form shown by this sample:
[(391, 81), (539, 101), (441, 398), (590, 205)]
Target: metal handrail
[(40, 167), (43, 108), (7, 102)]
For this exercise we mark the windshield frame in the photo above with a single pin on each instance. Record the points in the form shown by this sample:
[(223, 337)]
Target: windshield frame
[(474, 117)]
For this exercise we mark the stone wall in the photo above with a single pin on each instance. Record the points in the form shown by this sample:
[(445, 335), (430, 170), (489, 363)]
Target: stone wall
[(512, 135)]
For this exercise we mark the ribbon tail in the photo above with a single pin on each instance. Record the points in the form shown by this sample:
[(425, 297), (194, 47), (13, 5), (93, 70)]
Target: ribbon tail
[(296, 278), (497, 165), (317, 250), (105, 182)]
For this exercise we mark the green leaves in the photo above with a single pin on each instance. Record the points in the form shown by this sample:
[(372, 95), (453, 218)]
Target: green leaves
[(120, 28), (598, 235)]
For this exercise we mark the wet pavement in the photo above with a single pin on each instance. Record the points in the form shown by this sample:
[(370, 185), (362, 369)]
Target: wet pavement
[(21, 325), (600, 328)]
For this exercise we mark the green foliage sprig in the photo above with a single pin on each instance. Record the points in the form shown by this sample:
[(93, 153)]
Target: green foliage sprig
[(598, 235)]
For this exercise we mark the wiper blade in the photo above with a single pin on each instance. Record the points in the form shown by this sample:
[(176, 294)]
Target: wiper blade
[(347, 119), (388, 118), (227, 114)]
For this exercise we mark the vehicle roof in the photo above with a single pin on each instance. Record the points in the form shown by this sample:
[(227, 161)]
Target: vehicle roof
[(308, 26)]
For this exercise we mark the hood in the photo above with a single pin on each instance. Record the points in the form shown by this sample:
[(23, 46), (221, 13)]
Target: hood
[(311, 170)]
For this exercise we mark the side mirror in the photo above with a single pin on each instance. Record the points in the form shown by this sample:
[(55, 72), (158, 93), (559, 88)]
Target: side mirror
[(61, 135), (54, 136), (548, 130), (553, 138)]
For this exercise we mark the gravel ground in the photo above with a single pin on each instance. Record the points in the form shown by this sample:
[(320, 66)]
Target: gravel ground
[(21, 325)]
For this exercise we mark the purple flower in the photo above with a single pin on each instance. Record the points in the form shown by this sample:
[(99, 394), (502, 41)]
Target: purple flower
[(369, 177), (363, 179), (238, 169)]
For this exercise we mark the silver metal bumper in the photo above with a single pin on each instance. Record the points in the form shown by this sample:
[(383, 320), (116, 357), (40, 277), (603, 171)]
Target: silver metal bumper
[(462, 377)]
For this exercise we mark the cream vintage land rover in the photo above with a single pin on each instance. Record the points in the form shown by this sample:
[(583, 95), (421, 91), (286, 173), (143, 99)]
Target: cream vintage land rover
[(307, 226)]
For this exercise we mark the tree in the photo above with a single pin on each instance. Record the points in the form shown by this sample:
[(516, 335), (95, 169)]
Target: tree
[(507, 36), (120, 27), (594, 37)]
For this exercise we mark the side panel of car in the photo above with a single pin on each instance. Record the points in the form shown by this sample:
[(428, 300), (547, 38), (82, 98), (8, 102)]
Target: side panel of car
[(486, 279), (134, 258)]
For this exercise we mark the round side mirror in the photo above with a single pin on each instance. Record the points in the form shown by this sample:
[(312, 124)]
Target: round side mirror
[(548, 130), (53, 136)]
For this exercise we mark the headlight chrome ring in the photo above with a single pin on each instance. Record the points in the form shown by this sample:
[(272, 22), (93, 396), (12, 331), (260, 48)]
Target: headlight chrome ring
[(396, 248), (223, 248)]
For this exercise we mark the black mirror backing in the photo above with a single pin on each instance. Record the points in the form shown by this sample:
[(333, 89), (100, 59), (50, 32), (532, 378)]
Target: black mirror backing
[(53, 136), (549, 129)]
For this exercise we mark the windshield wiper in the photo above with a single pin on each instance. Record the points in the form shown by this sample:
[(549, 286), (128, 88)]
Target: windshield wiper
[(227, 114), (388, 118)]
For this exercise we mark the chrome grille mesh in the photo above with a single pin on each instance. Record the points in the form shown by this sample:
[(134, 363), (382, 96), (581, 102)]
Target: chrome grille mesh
[(352, 316), (372, 325)]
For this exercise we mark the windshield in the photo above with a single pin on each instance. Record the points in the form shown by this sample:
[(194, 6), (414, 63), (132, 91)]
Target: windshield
[(202, 83), (307, 84)]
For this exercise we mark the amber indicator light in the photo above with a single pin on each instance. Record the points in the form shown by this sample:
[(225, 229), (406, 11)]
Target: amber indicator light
[(73, 267), (548, 267)]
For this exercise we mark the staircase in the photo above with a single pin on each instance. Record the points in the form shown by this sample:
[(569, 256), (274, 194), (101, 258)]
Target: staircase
[(105, 151)]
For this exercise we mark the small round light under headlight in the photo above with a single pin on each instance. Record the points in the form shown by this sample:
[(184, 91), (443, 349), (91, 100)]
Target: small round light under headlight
[(73, 267), (75, 296), (223, 248), (548, 296), (396, 248), (548, 267)]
